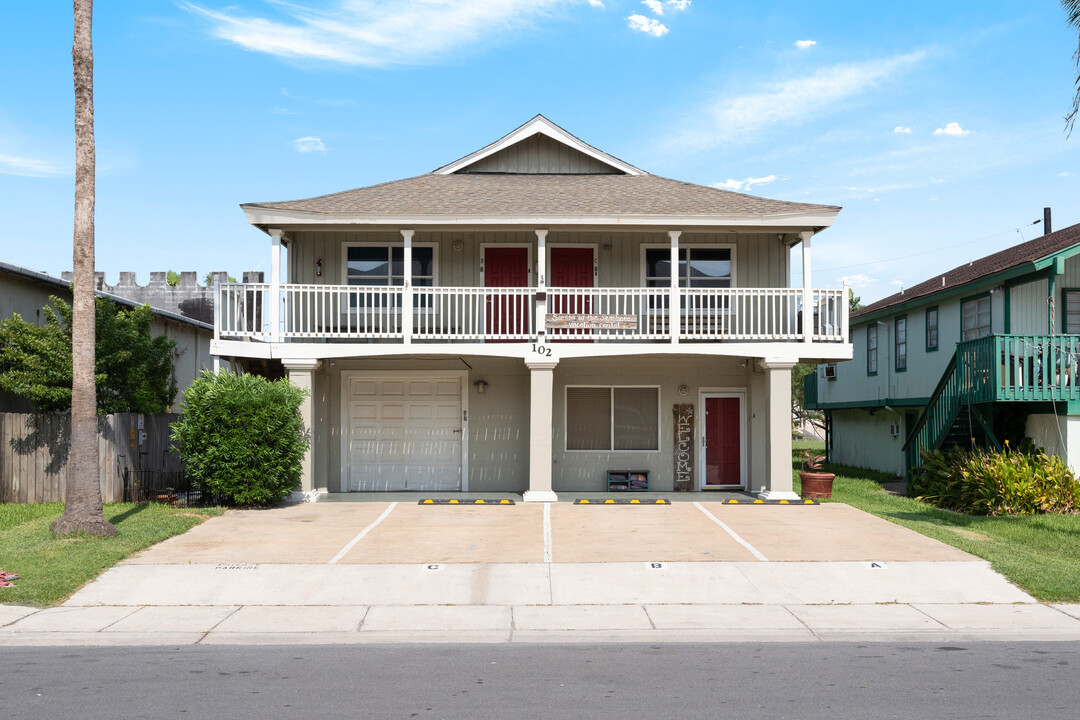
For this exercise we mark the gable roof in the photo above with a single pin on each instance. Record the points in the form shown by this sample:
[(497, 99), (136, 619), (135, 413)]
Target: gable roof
[(604, 191), (1025, 256), (539, 125)]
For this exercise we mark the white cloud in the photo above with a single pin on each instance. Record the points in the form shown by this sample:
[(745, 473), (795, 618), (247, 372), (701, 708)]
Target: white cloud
[(1066, 174), (790, 101), (363, 32), (901, 130), (952, 129), (596, 3), (858, 281), (282, 111), (898, 283), (746, 184), (678, 4), (32, 167), (310, 144), (655, 5), (650, 26), (805, 44)]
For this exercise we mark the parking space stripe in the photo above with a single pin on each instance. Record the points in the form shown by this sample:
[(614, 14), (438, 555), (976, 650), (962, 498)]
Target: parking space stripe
[(547, 532), (345, 550), (753, 550)]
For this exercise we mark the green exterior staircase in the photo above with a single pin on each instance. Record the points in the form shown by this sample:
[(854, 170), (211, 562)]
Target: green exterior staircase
[(985, 372)]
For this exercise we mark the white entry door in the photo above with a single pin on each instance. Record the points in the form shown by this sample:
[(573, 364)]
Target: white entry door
[(404, 433)]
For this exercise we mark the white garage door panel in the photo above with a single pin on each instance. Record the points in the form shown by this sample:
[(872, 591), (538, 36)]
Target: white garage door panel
[(404, 435)]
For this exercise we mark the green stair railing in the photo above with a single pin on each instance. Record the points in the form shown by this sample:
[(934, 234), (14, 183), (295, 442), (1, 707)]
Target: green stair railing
[(936, 418)]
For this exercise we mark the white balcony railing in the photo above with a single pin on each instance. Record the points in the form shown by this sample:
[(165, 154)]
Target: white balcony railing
[(453, 314)]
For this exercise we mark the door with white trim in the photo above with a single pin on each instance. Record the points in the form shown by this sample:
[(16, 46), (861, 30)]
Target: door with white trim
[(723, 441), (404, 433)]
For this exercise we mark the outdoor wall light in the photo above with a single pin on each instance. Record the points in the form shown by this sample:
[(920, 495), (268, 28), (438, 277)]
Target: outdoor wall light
[(481, 387)]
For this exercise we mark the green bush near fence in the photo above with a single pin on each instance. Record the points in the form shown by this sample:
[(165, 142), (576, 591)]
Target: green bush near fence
[(241, 437), (1006, 482)]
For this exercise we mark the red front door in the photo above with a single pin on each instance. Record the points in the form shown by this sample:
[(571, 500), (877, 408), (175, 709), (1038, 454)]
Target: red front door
[(723, 442), (570, 268), (506, 267)]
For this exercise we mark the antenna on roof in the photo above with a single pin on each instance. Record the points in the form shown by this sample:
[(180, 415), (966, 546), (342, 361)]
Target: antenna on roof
[(1046, 222)]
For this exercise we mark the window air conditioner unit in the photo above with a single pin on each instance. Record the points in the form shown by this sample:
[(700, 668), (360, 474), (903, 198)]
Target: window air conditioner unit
[(829, 371)]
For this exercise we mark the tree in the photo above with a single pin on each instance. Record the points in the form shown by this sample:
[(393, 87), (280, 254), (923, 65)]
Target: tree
[(133, 369), (1072, 9), (82, 502), (799, 412), (854, 302)]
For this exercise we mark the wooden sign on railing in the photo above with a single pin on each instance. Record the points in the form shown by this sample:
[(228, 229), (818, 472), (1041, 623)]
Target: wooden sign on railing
[(591, 322), (684, 448)]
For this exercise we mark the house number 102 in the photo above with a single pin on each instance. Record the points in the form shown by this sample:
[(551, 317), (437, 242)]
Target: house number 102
[(543, 350)]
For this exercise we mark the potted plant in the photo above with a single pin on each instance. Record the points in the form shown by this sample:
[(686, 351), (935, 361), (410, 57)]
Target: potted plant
[(816, 484)]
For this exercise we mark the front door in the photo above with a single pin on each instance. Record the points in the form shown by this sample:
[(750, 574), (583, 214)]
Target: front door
[(723, 442), (507, 315), (571, 267)]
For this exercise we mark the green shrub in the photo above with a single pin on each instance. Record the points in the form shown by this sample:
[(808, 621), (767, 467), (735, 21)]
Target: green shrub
[(1009, 482), (242, 437)]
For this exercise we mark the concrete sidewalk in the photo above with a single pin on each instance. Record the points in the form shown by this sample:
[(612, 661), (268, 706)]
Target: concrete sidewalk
[(537, 602)]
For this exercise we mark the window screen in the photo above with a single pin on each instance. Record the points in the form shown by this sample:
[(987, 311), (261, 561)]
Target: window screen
[(612, 418), (871, 349), (976, 318), (901, 343), (1072, 311), (636, 419), (588, 418), (931, 329)]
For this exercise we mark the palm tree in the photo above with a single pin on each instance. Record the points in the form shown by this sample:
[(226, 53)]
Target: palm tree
[(1072, 9), (82, 506)]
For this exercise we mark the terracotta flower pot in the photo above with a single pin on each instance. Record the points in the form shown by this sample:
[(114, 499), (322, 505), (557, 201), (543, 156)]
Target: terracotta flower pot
[(816, 485)]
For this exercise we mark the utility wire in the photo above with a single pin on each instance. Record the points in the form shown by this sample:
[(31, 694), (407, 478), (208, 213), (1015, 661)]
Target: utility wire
[(928, 252)]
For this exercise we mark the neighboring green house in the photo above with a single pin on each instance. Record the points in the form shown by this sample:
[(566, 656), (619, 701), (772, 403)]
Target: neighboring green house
[(979, 354)]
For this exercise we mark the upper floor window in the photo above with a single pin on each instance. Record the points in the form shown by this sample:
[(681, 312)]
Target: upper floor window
[(1071, 317), (385, 265), (931, 329), (976, 318), (871, 349), (901, 343), (708, 267)]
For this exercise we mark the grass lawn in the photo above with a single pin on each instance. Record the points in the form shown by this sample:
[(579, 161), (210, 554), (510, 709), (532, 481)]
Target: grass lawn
[(51, 569), (1040, 553)]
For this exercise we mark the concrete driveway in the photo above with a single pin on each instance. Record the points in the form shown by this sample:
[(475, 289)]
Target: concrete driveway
[(409, 533)]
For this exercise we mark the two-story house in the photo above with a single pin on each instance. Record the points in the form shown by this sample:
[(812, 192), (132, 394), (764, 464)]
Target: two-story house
[(533, 316), (982, 353)]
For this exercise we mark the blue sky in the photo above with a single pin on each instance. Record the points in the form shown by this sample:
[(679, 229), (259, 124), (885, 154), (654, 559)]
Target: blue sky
[(938, 126)]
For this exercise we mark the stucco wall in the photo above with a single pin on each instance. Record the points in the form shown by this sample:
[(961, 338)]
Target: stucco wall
[(1058, 435)]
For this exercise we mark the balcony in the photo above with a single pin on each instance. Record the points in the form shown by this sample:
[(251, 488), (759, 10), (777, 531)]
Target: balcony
[(352, 313), (1018, 368)]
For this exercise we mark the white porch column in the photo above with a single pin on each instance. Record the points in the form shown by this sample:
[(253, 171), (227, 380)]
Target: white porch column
[(541, 285), (778, 471), (540, 418), (300, 375), (675, 306), (275, 284), (807, 290), (407, 290)]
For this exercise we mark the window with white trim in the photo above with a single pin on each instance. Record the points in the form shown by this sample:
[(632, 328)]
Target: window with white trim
[(374, 265), (976, 318), (613, 418), (871, 349), (708, 267)]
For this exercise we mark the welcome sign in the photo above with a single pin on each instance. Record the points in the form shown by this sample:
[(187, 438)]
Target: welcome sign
[(684, 447)]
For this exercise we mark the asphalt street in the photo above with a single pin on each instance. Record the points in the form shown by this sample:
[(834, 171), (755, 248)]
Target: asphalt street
[(750, 680)]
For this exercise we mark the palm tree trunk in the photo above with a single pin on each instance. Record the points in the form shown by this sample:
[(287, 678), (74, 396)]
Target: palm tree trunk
[(82, 506)]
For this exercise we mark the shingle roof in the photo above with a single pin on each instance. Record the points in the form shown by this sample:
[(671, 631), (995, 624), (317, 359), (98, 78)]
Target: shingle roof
[(562, 195), (1006, 259)]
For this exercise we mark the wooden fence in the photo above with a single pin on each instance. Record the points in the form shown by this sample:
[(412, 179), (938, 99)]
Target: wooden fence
[(34, 453)]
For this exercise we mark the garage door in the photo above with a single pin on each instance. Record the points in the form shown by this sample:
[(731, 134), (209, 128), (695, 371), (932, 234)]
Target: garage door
[(404, 434)]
